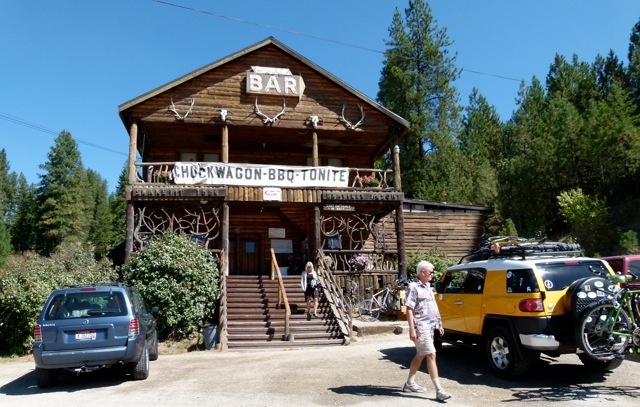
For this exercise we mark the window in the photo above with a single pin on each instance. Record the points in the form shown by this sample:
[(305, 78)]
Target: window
[(211, 157), (188, 157), (334, 162), (454, 281), (522, 281), (474, 282)]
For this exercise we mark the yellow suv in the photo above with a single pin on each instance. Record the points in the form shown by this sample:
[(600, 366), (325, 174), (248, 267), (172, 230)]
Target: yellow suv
[(519, 301)]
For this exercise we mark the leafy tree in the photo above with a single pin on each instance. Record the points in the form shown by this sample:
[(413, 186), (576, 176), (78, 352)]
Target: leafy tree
[(416, 83), (181, 278), (27, 280), (590, 220), (63, 196)]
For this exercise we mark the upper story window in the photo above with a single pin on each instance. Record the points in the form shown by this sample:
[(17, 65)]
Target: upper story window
[(188, 157), (331, 162), (211, 157)]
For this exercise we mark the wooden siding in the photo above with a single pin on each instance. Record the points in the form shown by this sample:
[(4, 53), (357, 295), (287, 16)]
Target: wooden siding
[(454, 233)]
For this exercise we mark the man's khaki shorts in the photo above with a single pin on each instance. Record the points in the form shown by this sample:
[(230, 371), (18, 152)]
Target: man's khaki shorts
[(424, 343)]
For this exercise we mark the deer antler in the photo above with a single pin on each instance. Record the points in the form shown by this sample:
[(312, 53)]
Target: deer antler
[(175, 112), (347, 123), (266, 119)]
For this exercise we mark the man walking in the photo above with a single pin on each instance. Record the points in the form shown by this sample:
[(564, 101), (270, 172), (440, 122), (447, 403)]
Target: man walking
[(423, 317)]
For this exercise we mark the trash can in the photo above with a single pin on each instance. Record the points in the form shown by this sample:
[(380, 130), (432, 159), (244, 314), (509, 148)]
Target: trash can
[(210, 333)]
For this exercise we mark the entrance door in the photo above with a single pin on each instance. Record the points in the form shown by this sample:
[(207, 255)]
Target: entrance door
[(245, 253)]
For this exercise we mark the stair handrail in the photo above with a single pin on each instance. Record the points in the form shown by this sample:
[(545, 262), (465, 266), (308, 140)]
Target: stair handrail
[(335, 297), (223, 303), (282, 293)]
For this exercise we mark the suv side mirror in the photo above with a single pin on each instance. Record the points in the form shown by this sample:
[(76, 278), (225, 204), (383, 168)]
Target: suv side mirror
[(155, 310), (439, 287)]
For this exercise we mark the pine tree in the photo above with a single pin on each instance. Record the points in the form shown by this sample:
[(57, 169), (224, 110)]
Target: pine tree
[(64, 196), (100, 232), (416, 83), (24, 228), (481, 146), (118, 206)]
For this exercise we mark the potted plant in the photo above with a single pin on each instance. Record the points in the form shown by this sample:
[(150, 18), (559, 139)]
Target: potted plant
[(369, 181)]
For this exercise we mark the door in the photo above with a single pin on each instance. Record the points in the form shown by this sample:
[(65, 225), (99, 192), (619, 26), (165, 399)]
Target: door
[(245, 253)]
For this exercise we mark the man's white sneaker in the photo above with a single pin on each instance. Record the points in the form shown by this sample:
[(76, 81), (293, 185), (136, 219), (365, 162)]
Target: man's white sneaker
[(414, 387), (442, 395)]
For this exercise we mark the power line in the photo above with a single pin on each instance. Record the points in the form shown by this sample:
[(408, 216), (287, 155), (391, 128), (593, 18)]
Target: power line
[(243, 21), (25, 123)]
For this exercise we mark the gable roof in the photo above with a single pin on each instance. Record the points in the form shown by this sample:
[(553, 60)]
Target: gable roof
[(269, 41)]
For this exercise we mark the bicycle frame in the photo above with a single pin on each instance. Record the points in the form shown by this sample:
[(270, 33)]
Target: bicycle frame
[(607, 329), (371, 308)]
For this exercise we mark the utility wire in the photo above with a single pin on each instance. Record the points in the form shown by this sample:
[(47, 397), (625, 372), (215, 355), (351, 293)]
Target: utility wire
[(22, 122), (243, 21)]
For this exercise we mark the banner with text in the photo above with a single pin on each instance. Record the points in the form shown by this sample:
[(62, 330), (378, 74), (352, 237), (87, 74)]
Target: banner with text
[(191, 173)]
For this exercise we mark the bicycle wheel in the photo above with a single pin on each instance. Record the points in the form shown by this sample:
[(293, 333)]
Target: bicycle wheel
[(365, 310), (376, 308), (355, 302), (594, 331)]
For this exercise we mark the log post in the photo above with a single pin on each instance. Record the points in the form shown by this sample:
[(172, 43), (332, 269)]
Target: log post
[(225, 143), (315, 149), (133, 145)]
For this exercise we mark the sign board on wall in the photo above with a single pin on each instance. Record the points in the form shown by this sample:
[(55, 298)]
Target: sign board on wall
[(272, 194), (277, 233), (191, 173), (282, 245), (274, 81)]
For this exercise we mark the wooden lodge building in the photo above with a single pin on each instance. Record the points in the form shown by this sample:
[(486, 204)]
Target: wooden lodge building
[(267, 159)]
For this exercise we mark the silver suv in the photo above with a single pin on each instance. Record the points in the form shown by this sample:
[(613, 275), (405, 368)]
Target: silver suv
[(90, 327)]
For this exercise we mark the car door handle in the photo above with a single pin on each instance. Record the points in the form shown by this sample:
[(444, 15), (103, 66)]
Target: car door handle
[(459, 302)]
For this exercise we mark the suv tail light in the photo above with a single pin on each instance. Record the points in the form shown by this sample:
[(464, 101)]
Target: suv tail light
[(531, 305), (37, 333), (134, 327)]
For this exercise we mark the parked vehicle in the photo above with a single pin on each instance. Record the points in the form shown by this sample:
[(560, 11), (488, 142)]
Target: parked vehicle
[(623, 264), (521, 300), (90, 327)]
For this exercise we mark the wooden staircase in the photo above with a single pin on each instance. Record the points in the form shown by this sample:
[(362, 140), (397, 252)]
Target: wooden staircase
[(254, 321)]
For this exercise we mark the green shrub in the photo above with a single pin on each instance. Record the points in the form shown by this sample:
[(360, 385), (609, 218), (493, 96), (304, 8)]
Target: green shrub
[(179, 277), (629, 243), (27, 280), (439, 259)]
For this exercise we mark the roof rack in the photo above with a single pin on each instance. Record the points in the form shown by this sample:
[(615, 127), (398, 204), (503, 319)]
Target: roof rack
[(504, 247)]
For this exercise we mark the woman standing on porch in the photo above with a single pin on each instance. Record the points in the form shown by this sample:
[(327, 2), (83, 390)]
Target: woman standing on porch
[(309, 283)]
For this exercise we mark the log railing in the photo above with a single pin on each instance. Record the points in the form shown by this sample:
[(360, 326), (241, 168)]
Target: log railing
[(282, 294), (334, 295)]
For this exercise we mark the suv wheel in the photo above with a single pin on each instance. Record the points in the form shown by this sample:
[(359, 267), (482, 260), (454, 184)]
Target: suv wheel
[(153, 346), (503, 354), (140, 370), (46, 377)]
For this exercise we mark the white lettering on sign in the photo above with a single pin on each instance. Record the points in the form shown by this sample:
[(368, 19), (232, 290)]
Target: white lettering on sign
[(275, 84), (191, 173)]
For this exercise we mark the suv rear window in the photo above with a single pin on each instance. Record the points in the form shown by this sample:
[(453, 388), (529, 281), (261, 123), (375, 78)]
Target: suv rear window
[(557, 276), (86, 304)]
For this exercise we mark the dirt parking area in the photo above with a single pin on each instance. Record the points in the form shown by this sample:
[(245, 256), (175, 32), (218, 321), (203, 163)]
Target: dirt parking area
[(369, 372)]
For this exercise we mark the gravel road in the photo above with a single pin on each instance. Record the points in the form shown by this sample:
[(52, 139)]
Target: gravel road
[(369, 372)]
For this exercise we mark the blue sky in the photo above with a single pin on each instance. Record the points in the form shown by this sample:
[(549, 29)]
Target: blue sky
[(68, 65)]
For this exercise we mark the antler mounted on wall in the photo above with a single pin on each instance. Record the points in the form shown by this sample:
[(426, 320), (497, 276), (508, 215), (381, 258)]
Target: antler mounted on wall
[(266, 119), (347, 123), (175, 112)]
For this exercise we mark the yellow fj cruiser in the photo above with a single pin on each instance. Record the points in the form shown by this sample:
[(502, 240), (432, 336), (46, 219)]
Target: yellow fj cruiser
[(517, 300)]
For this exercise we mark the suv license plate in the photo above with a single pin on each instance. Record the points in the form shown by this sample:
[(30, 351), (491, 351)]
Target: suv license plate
[(86, 336)]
